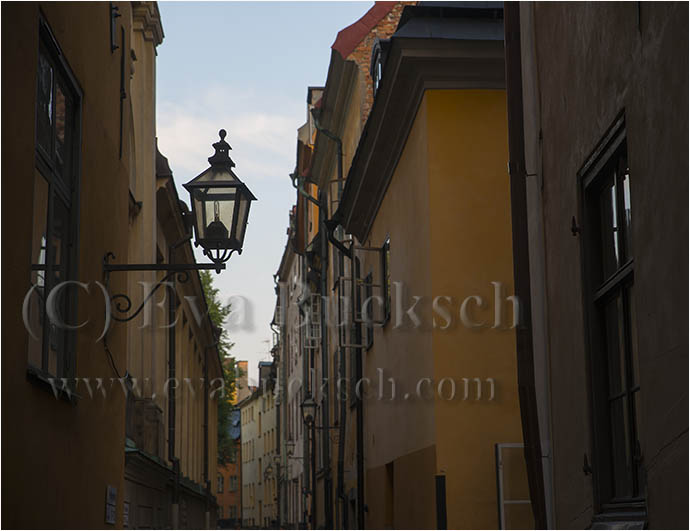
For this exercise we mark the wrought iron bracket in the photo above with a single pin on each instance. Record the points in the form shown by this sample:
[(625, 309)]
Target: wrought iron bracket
[(123, 303), (176, 268)]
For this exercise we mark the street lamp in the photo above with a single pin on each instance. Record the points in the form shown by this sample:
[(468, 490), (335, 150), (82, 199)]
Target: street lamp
[(308, 407), (220, 211), (220, 205)]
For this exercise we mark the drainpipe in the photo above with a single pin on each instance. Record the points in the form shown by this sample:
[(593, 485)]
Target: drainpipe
[(207, 482), (307, 360), (341, 507), (325, 374), (172, 309), (308, 455), (283, 489), (360, 407), (297, 183), (323, 213), (331, 225), (533, 166), (280, 406), (521, 264)]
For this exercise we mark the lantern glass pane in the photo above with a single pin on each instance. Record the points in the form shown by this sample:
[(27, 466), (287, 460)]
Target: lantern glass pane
[(214, 211), (220, 205), (242, 213), (215, 175), (218, 219)]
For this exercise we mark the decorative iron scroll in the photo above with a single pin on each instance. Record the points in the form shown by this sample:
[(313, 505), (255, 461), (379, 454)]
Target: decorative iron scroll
[(123, 304)]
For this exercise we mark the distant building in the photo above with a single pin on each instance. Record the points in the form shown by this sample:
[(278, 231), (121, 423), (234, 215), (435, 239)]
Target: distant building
[(260, 452), (326, 486), (242, 387), (292, 375), (229, 478)]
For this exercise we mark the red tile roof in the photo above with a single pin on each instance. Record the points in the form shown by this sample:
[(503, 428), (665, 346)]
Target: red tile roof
[(348, 38)]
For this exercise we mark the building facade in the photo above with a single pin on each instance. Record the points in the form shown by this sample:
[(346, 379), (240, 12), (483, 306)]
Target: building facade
[(229, 476), (71, 149), (109, 446), (426, 200), (260, 454), (171, 417), (597, 105), (337, 114), (291, 376), (412, 118)]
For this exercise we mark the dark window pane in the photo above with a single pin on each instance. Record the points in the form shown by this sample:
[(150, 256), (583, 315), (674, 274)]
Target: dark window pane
[(36, 310), (615, 351), (621, 451), (608, 219), (627, 210), (64, 131), (40, 224), (59, 252), (632, 320), (60, 236), (44, 104), (635, 398)]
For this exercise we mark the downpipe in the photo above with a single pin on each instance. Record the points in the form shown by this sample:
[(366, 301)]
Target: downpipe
[(172, 310)]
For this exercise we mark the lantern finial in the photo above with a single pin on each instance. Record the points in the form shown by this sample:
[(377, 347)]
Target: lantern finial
[(221, 156)]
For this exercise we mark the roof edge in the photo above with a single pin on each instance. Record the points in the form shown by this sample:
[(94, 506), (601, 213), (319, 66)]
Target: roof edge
[(349, 38)]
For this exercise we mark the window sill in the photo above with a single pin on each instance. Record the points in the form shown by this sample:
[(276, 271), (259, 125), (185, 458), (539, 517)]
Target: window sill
[(625, 515), (52, 384)]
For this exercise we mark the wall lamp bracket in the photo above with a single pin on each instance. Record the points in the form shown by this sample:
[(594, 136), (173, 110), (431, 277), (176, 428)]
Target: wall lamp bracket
[(180, 272)]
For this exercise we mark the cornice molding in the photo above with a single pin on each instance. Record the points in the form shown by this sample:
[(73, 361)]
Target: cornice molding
[(146, 18), (335, 104), (413, 66)]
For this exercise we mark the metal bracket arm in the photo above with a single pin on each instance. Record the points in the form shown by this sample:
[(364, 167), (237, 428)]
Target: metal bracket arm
[(161, 267)]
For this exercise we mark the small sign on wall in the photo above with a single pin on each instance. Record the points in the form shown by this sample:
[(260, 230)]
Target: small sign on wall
[(125, 514), (110, 505)]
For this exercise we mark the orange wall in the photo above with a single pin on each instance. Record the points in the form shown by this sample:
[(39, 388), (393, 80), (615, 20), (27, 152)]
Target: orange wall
[(228, 498)]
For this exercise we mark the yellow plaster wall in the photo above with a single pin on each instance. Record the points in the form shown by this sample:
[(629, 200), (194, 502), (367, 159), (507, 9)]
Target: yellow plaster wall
[(471, 247), (447, 212), (58, 458), (401, 431), (140, 112), (398, 427), (401, 494)]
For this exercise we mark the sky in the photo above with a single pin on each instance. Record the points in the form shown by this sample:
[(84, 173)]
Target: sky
[(245, 67)]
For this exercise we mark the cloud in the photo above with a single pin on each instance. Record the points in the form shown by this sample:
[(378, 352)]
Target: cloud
[(262, 130), (263, 139)]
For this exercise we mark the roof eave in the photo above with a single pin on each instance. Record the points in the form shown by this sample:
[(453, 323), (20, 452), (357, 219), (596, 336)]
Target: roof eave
[(414, 65)]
